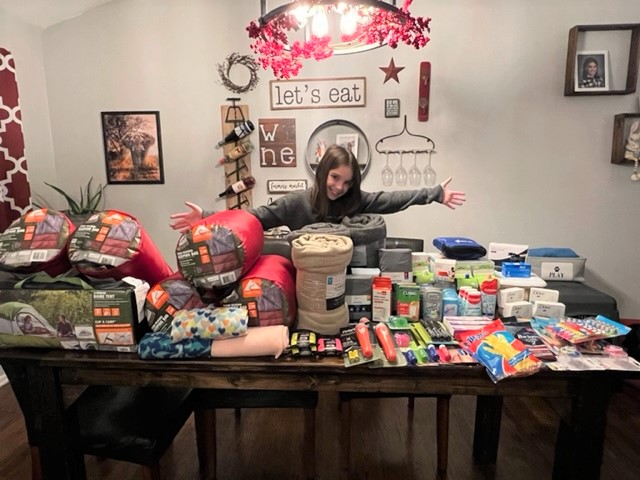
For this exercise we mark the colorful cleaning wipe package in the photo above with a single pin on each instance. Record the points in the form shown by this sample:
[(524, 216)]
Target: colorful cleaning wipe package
[(500, 352)]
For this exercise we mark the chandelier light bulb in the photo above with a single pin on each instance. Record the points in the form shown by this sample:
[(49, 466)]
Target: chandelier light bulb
[(349, 22), (299, 30), (320, 24), (301, 14)]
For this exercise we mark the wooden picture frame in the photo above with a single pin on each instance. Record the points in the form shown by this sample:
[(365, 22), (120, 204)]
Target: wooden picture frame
[(132, 147), (623, 148), (612, 42)]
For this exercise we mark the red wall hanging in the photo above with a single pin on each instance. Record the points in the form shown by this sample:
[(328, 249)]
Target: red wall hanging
[(15, 193)]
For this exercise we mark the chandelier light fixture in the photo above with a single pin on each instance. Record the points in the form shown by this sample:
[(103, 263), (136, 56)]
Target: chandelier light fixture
[(318, 29)]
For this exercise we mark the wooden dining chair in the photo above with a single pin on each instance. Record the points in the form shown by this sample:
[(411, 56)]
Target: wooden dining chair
[(131, 424)]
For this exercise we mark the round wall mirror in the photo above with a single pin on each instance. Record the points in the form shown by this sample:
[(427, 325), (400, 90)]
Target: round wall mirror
[(338, 132)]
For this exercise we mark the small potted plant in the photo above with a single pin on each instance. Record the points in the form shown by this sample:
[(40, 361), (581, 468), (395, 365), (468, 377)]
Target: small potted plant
[(79, 209)]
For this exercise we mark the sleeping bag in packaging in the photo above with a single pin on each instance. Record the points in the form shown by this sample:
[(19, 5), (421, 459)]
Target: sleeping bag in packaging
[(218, 250), (269, 292), (165, 298), (37, 242), (112, 244)]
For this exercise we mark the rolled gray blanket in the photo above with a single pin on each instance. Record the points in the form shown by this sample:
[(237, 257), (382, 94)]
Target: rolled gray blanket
[(368, 232), (320, 227)]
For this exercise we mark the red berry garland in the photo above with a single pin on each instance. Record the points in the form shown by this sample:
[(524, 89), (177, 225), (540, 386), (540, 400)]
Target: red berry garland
[(273, 49)]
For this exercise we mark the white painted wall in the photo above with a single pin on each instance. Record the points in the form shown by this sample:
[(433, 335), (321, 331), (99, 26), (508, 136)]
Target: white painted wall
[(535, 164)]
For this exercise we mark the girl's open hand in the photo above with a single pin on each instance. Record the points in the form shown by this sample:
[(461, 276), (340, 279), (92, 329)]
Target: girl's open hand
[(452, 198), (184, 220)]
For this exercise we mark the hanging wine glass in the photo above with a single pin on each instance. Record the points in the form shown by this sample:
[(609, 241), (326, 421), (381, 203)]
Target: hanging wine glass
[(401, 173), (387, 173), (428, 172), (415, 176)]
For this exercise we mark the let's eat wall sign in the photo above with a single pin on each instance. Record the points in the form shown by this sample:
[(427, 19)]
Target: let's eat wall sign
[(318, 93)]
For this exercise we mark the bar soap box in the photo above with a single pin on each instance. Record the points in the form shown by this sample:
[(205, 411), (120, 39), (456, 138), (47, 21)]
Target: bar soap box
[(549, 310), (518, 309)]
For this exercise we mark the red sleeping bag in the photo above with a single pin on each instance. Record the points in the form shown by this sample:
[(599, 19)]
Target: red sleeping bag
[(37, 242), (269, 291), (113, 244), (219, 249), (165, 298)]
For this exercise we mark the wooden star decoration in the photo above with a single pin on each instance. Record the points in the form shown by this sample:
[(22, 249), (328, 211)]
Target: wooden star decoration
[(391, 72)]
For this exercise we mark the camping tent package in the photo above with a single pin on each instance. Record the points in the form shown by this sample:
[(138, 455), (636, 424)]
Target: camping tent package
[(269, 291), (113, 244), (218, 250), (37, 242), (66, 312)]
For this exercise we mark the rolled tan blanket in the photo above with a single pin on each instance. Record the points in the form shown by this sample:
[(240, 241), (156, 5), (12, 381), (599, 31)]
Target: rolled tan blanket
[(259, 341), (321, 261), (368, 233), (321, 253), (320, 227)]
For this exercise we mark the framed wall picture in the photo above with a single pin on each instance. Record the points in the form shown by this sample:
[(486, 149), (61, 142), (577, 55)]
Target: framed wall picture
[(602, 59), (349, 141), (132, 147), (592, 71), (341, 132), (626, 138), (391, 107)]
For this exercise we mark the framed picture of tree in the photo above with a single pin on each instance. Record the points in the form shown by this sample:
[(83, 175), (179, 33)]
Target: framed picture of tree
[(132, 147)]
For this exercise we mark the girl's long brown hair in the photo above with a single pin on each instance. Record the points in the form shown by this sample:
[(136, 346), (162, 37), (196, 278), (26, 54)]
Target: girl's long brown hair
[(325, 209)]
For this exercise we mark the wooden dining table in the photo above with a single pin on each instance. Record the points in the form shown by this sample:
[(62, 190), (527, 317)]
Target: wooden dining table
[(41, 374)]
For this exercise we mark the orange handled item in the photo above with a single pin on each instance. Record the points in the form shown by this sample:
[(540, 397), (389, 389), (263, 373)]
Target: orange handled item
[(386, 342), (362, 334)]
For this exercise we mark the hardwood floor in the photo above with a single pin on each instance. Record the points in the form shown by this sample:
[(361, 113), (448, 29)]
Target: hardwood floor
[(386, 442)]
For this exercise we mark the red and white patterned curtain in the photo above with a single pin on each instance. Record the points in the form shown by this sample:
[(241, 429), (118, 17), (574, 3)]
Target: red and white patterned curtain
[(15, 194)]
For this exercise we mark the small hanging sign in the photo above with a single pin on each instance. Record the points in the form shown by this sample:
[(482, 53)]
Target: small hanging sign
[(423, 91), (286, 186)]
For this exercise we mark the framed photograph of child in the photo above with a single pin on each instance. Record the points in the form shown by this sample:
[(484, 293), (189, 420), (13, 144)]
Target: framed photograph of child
[(592, 71), (349, 141)]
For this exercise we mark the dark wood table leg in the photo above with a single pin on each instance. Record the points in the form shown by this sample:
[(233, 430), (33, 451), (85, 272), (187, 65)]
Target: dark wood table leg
[(580, 441), (58, 457), (487, 429), (205, 420)]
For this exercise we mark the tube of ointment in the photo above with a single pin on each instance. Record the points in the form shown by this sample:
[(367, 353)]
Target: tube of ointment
[(420, 352), (411, 357), (445, 356), (433, 354)]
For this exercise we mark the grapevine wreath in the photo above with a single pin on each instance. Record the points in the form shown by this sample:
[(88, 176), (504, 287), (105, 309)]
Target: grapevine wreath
[(237, 59)]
